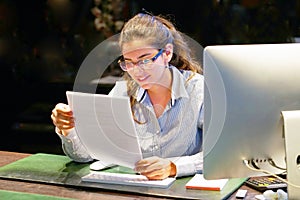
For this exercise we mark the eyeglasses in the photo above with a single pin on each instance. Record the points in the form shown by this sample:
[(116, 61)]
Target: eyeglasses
[(144, 64)]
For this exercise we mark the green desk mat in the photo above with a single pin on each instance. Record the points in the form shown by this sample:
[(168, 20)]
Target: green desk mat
[(10, 195), (60, 170)]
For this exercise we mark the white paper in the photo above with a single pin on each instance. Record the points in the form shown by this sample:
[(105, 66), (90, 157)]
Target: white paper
[(105, 126)]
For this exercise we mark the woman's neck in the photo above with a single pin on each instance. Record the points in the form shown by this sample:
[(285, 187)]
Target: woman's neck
[(160, 94)]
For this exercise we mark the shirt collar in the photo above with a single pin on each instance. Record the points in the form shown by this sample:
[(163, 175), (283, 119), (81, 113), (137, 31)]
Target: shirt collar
[(178, 87)]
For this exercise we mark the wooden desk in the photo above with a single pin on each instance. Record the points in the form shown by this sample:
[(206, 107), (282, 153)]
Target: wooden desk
[(70, 192)]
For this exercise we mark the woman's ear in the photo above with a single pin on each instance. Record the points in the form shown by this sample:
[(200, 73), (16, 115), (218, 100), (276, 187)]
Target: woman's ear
[(168, 52)]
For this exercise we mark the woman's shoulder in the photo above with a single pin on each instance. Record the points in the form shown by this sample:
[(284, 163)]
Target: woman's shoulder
[(192, 76)]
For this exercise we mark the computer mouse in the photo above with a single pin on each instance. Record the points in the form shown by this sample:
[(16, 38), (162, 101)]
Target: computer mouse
[(99, 165)]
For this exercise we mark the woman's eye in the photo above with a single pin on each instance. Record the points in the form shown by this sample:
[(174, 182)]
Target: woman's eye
[(146, 61), (129, 64)]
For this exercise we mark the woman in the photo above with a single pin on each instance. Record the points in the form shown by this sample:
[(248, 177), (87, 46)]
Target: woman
[(165, 87)]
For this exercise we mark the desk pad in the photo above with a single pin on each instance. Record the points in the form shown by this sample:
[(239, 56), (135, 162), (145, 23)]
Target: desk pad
[(61, 170), (27, 196)]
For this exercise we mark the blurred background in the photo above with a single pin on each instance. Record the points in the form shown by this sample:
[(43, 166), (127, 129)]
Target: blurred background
[(43, 43)]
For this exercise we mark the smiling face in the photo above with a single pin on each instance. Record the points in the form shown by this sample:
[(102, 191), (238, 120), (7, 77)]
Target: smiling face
[(154, 75)]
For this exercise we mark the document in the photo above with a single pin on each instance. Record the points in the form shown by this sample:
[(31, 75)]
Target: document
[(105, 126), (198, 182)]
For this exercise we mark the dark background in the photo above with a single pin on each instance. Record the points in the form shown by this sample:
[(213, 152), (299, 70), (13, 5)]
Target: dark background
[(43, 43)]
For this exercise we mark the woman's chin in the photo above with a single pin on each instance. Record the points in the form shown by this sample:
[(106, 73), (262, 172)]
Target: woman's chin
[(146, 86)]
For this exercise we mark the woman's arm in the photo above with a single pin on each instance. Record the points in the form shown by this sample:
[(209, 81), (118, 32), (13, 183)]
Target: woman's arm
[(73, 148)]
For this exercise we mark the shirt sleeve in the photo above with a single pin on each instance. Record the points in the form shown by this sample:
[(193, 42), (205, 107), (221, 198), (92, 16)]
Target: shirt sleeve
[(188, 165), (73, 148)]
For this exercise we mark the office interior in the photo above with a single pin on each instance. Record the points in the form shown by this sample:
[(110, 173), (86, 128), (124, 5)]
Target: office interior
[(44, 42)]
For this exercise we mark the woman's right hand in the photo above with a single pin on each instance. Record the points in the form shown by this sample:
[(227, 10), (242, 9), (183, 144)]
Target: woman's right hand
[(62, 118)]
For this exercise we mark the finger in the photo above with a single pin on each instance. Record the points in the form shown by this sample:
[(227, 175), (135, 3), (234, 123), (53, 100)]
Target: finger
[(62, 113), (157, 174), (162, 165), (64, 124), (63, 107), (61, 119), (147, 161), (151, 164)]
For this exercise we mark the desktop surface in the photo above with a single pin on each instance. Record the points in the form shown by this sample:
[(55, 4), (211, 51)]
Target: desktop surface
[(63, 188)]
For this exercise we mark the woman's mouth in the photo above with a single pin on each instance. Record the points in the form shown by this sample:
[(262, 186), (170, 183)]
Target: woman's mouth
[(141, 79)]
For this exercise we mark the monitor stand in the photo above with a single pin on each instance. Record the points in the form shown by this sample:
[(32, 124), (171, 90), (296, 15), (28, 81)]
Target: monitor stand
[(291, 127)]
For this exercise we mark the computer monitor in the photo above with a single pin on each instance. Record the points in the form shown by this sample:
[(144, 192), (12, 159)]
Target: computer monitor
[(246, 88)]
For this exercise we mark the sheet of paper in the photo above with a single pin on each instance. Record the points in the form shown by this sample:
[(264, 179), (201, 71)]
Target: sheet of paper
[(105, 126), (200, 183)]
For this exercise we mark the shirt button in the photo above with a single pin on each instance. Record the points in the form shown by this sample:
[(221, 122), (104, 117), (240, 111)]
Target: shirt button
[(156, 147)]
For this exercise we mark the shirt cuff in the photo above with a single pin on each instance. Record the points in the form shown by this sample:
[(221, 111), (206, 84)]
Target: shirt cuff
[(67, 138), (73, 148), (188, 165)]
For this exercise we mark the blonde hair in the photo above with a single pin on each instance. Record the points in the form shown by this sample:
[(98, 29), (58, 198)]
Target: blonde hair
[(157, 31)]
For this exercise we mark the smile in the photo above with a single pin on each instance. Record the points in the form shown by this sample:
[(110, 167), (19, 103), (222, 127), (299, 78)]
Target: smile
[(143, 78)]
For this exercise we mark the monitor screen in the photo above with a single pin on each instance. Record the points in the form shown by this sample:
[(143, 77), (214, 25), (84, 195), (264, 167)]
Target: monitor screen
[(246, 88)]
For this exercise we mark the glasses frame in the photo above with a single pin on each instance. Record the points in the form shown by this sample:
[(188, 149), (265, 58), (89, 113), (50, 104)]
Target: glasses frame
[(140, 63)]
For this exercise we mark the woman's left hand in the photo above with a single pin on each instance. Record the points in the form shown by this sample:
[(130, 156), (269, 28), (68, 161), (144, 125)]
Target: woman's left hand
[(156, 168)]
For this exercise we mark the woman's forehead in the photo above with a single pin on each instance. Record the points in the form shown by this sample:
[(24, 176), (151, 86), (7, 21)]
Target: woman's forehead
[(139, 53), (134, 46)]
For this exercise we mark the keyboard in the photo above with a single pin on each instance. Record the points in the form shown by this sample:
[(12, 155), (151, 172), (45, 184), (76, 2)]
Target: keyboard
[(126, 179), (263, 183)]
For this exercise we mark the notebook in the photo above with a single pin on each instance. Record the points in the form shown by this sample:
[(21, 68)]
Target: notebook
[(198, 182)]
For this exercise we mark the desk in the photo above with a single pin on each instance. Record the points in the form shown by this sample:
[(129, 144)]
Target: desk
[(72, 192)]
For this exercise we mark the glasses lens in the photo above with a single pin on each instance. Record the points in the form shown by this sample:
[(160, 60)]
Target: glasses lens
[(123, 65), (145, 64)]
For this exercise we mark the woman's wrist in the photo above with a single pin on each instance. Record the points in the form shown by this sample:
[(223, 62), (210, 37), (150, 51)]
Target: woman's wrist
[(173, 171), (62, 132)]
